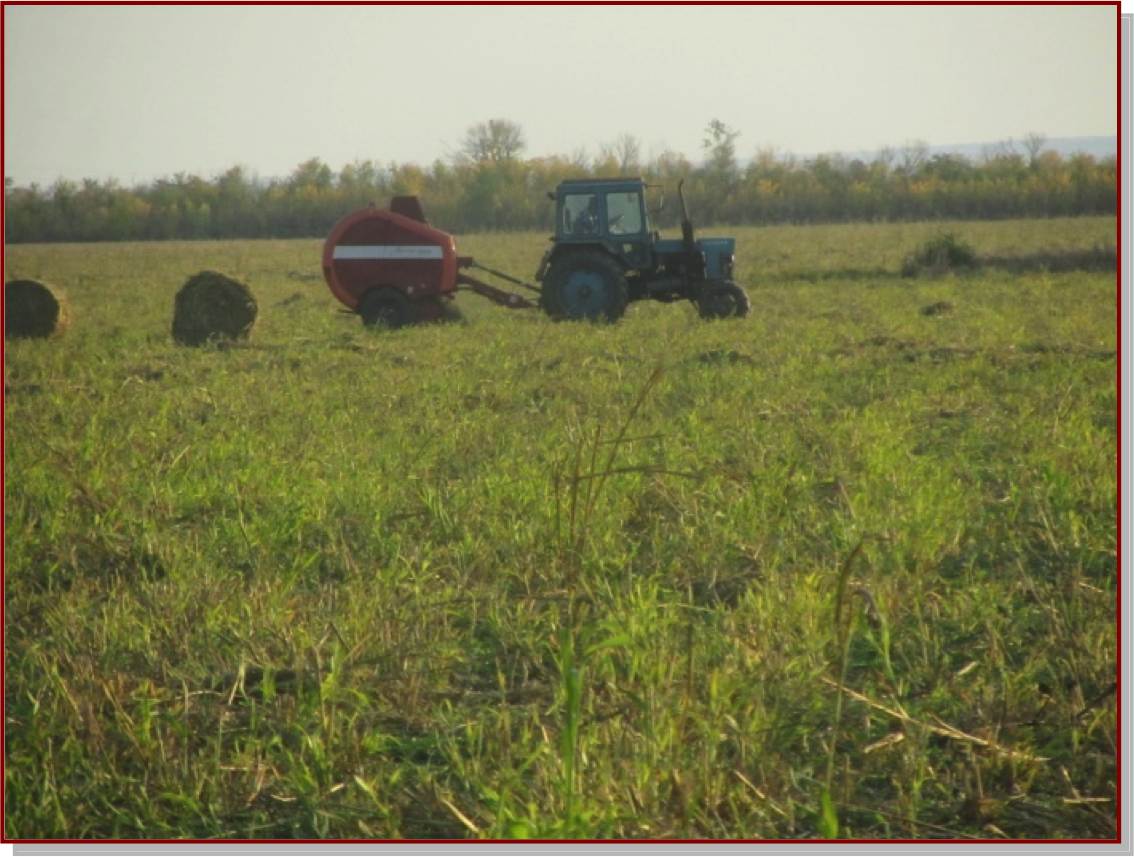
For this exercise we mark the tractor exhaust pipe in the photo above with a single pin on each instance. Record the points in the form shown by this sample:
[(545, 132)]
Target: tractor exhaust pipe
[(695, 263), (687, 236)]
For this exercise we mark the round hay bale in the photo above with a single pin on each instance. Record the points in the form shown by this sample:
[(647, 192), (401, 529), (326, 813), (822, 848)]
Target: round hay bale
[(33, 310), (212, 306)]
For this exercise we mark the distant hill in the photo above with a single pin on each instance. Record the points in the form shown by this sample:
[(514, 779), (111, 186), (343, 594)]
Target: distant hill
[(1098, 147)]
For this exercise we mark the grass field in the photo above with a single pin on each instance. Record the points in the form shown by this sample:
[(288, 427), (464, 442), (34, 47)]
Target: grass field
[(844, 569)]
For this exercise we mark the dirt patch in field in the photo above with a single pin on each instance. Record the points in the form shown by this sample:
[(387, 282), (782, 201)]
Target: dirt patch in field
[(1097, 259), (947, 253)]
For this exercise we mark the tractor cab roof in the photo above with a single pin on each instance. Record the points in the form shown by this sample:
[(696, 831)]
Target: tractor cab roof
[(574, 185), (603, 180)]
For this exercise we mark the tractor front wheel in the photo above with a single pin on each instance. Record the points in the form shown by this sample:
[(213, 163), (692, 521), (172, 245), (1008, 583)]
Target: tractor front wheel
[(586, 284), (723, 300), (385, 307)]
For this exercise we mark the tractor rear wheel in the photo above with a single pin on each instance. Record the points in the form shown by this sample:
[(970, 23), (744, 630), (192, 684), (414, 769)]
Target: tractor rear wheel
[(723, 300), (385, 307), (586, 284)]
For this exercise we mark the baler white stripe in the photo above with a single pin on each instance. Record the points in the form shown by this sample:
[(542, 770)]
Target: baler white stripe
[(388, 251)]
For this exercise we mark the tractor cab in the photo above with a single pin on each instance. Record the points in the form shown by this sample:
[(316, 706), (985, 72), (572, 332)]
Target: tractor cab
[(610, 212)]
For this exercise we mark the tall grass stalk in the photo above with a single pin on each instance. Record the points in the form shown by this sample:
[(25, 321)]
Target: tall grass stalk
[(843, 620)]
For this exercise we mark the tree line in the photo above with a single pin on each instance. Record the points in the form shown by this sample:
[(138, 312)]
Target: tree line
[(489, 185)]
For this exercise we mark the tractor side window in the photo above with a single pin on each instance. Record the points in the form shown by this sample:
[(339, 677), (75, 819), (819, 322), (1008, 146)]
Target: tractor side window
[(624, 213), (580, 214)]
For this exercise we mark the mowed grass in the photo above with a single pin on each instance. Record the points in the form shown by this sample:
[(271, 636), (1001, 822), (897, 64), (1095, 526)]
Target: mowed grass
[(846, 568)]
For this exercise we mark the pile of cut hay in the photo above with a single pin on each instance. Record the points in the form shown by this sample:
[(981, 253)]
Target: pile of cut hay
[(33, 310), (212, 306)]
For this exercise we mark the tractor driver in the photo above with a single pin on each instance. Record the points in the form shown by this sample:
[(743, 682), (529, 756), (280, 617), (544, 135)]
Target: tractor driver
[(586, 222)]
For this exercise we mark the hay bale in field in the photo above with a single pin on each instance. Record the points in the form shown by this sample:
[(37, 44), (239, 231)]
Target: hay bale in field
[(33, 310), (212, 306)]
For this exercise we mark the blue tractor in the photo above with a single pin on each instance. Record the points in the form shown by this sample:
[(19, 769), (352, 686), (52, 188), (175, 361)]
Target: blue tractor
[(605, 255)]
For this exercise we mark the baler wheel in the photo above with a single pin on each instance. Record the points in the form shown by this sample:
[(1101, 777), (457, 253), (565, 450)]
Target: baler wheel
[(385, 307)]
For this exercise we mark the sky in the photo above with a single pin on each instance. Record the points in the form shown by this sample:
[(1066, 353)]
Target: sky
[(141, 92)]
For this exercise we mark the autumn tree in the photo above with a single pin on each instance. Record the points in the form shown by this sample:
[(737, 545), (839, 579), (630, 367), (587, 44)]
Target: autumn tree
[(496, 141), (1033, 144), (719, 144), (625, 151)]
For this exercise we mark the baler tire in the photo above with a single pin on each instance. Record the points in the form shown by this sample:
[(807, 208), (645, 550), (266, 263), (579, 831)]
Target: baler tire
[(723, 300), (585, 285), (385, 307)]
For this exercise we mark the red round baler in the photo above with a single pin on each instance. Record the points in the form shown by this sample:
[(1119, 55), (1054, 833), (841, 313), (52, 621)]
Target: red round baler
[(391, 267)]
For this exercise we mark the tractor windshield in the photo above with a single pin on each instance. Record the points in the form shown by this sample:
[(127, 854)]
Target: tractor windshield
[(600, 209), (624, 213)]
